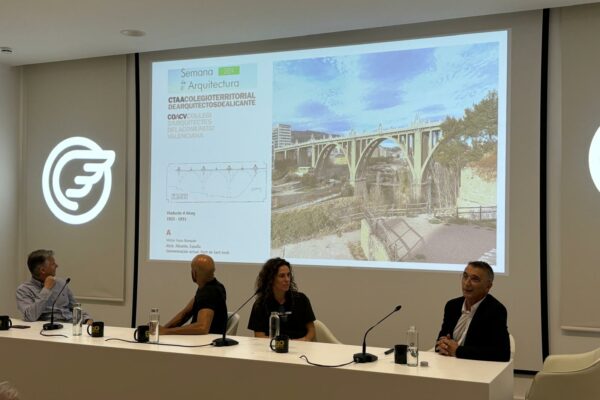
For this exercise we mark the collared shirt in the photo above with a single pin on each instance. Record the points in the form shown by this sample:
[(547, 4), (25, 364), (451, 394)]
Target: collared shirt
[(462, 325), (35, 301)]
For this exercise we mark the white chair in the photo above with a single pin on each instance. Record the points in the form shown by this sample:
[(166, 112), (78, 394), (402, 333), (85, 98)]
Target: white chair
[(232, 324), (323, 334), (568, 376), (513, 346)]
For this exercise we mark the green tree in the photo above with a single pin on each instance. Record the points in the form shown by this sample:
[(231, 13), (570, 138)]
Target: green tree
[(472, 139)]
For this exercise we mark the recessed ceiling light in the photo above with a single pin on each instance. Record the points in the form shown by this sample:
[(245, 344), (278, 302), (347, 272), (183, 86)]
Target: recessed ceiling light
[(133, 32), (6, 50)]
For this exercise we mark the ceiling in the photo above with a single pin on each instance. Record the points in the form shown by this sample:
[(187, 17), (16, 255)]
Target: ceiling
[(54, 30)]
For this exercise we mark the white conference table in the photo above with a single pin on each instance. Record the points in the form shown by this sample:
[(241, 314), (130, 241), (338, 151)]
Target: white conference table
[(92, 368)]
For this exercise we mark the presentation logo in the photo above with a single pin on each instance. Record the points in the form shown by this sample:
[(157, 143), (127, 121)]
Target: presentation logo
[(594, 159), (94, 163)]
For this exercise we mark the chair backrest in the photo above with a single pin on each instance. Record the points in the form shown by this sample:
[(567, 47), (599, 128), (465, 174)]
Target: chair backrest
[(233, 323), (323, 334), (568, 376), (513, 346)]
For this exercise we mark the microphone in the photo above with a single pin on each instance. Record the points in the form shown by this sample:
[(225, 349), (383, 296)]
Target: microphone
[(52, 326), (224, 341), (365, 357)]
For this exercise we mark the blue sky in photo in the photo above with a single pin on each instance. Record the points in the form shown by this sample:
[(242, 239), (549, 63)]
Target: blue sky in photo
[(360, 92)]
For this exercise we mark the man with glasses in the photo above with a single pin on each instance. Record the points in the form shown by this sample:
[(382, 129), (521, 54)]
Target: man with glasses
[(474, 324)]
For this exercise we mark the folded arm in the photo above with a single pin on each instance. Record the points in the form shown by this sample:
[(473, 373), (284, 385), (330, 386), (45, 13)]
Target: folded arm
[(200, 327), (182, 316)]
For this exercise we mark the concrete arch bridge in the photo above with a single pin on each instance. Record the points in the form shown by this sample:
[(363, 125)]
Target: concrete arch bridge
[(418, 143)]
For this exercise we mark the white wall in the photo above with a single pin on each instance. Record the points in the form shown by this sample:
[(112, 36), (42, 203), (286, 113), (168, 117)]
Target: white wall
[(9, 173), (349, 300), (561, 341), (119, 314), (568, 139), (92, 98)]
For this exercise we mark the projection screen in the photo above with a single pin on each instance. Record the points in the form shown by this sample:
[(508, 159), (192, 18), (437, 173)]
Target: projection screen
[(388, 154)]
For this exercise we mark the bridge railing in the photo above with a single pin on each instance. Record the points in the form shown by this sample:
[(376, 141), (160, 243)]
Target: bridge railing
[(397, 241), (409, 209), (363, 135), (477, 213)]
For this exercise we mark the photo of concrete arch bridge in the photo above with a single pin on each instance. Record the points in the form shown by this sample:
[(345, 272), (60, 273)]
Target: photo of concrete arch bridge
[(387, 156), (337, 196)]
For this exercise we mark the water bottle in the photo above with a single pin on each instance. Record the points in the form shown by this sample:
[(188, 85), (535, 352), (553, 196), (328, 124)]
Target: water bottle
[(412, 349), (274, 325), (77, 319), (153, 326)]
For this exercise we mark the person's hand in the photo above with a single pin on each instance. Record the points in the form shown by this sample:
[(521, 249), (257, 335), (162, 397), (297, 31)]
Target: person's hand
[(439, 342), (447, 346), (89, 321), (162, 330), (49, 282)]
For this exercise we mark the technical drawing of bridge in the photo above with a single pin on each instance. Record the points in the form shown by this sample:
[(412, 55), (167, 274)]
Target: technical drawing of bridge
[(417, 143), (217, 182)]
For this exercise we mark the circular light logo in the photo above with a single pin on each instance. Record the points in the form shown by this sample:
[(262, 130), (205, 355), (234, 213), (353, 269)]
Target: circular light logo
[(96, 164), (594, 159)]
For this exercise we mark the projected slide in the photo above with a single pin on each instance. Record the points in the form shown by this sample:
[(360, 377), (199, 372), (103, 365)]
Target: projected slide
[(386, 155)]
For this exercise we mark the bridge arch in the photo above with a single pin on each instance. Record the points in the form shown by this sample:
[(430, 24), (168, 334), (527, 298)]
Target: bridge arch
[(361, 165), (324, 154)]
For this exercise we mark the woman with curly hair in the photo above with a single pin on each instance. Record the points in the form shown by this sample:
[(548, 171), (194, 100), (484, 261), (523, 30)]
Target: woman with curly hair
[(277, 291)]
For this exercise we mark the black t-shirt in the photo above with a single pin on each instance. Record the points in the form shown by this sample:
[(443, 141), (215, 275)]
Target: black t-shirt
[(213, 296), (294, 314)]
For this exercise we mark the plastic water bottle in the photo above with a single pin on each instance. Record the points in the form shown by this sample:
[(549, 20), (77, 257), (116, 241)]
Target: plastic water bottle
[(153, 326), (77, 319), (274, 324), (412, 349)]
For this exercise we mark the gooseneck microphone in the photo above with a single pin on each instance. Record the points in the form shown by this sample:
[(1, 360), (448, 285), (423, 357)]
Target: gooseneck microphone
[(52, 326), (224, 341), (365, 357)]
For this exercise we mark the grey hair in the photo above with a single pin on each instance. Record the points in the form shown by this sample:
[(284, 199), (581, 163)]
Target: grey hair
[(8, 392), (484, 266), (37, 258)]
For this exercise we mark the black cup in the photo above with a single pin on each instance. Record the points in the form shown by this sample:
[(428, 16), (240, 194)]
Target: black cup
[(400, 353), (5, 322), (142, 334), (97, 329), (282, 344)]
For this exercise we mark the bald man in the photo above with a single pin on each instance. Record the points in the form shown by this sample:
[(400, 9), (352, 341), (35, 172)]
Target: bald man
[(207, 308)]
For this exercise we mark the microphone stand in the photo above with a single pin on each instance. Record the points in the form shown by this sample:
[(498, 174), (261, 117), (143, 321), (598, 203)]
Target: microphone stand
[(52, 326), (225, 341), (365, 357)]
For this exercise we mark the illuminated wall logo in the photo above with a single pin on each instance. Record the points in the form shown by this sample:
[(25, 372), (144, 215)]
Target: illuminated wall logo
[(594, 159), (95, 164)]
